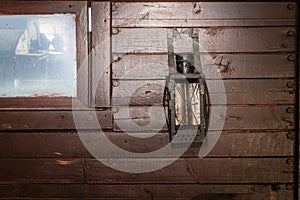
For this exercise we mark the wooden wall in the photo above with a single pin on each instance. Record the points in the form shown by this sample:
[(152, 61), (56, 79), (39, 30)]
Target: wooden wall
[(249, 45)]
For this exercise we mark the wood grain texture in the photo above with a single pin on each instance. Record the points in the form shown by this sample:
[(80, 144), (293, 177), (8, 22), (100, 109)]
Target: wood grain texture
[(42, 104), (249, 161), (32, 103), (203, 10), (48, 144), (101, 58), (174, 14), (211, 40), (41, 7), (214, 66), (41, 171), (140, 67), (207, 170), (250, 91), (82, 54), (170, 23), (224, 192), (138, 118), (159, 191), (51, 120), (69, 145)]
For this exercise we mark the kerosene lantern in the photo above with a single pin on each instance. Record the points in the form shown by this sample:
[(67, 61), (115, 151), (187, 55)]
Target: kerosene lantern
[(186, 94)]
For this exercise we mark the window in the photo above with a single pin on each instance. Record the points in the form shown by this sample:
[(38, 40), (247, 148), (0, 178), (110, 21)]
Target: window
[(45, 64), (43, 46), (38, 55)]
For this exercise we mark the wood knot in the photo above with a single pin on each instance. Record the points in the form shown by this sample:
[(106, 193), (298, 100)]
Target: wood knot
[(222, 68), (197, 8)]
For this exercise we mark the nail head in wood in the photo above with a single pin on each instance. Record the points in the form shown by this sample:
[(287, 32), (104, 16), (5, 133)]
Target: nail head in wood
[(291, 92), (289, 187), (290, 84), (116, 83), (290, 161), (291, 33), (291, 58), (116, 58), (290, 135), (290, 110), (291, 6), (113, 7), (110, 161), (115, 31)]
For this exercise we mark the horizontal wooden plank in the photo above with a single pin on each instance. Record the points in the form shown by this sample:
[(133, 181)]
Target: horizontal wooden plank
[(147, 118), (138, 93), (69, 145), (251, 144), (40, 7), (52, 120), (251, 91), (214, 66), (82, 191), (154, 40), (41, 145), (159, 191), (208, 170), (140, 66), (31, 103), (170, 23), (41, 171), (271, 91), (224, 192), (139, 41), (41, 103), (206, 10), (202, 14)]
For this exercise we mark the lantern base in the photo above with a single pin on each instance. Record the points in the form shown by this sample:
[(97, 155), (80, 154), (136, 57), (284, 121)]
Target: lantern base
[(188, 134)]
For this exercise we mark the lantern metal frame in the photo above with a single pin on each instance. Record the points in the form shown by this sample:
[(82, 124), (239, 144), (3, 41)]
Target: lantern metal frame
[(185, 69)]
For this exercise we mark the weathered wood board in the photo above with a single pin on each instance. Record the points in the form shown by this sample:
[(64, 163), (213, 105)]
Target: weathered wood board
[(207, 170), (246, 91), (211, 40), (41, 170), (250, 45), (69, 145), (197, 14), (144, 191), (51, 120), (191, 171), (214, 66), (101, 55), (138, 118)]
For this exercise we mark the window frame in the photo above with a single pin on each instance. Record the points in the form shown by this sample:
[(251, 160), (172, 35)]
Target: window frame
[(79, 8), (56, 113)]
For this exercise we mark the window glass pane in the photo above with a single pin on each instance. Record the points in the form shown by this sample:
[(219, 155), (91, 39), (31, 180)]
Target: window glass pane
[(37, 55)]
